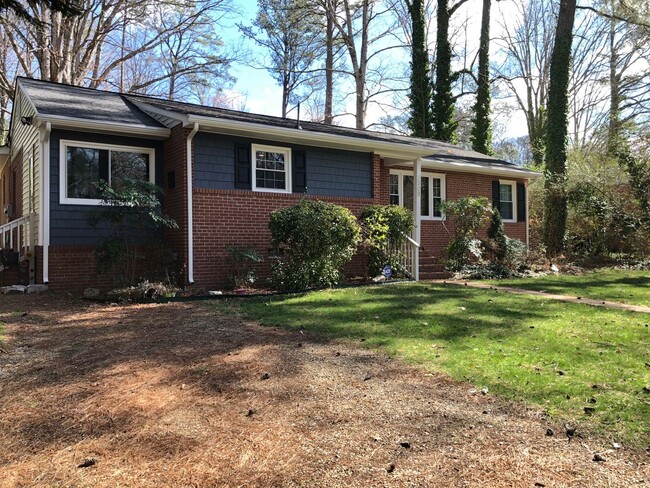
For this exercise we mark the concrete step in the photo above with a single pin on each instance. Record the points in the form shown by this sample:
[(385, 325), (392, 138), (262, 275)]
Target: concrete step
[(432, 268), (438, 275)]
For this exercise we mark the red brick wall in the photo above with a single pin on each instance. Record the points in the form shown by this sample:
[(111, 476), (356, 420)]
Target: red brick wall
[(175, 201), (435, 234), (73, 269), (241, 217), (225, 217)]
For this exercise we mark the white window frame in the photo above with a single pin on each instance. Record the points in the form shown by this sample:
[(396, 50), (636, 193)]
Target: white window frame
[(513, 185), (63, 167), (286, 151), (443, 190)]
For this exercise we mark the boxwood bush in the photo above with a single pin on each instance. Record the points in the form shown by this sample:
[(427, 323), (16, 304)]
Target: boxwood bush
[(318, 239)]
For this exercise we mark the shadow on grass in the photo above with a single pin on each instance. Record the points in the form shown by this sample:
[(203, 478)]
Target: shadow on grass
[(404, 312), (603, 286)]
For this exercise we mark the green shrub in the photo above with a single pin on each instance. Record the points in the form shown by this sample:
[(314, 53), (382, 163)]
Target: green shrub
[(385, 228), (318, 239), (470, 214), (516, 254), (497, 240), (241, 261)]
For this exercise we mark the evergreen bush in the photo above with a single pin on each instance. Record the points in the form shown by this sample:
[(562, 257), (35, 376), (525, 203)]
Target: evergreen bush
[(318, 239)]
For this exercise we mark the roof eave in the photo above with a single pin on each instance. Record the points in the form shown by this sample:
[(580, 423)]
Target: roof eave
[(466, 167), (385, 149), (63, 122)]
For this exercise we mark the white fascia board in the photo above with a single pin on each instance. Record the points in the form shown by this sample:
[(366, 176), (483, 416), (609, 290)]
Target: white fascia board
[(477, 168), (24, 93), (63, 122), (384, 148)]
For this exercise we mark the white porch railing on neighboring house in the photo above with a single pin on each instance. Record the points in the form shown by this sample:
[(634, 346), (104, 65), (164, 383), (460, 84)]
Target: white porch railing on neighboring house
[(18, 236), (406, 256)]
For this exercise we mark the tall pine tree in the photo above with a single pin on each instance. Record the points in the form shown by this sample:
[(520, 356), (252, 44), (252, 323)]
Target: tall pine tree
[(421, 120), (444, 123), (481, 128)]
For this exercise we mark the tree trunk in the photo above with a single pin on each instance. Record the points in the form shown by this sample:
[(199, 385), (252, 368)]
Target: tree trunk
[(444, 126), (329, 72), (421, 120), (555, 208), (614, 129)]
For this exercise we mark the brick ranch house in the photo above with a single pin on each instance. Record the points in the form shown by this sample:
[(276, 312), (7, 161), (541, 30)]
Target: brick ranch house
[(222, 173)]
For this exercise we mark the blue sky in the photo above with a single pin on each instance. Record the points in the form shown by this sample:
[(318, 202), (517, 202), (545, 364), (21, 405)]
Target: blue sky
[(256, 91)]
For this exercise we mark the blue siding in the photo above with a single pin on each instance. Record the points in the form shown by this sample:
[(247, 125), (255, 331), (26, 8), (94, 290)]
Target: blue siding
[(69, 223), (330, 172)]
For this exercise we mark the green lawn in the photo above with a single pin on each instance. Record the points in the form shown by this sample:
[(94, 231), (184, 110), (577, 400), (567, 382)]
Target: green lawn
[(560, 356), (610, 285)]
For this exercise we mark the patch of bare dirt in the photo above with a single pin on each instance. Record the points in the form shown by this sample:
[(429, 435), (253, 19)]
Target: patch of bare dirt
[(178, 395)]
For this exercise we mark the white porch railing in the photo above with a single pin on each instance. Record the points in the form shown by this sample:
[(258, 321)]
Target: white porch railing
[(18, 234), (406, 256)]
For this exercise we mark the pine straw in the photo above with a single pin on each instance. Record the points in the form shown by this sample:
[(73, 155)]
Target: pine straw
[(159, 395)]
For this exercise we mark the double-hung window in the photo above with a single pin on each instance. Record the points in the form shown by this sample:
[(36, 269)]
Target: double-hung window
[(432, 193), (271, 168), (507, 201), (83, 165)]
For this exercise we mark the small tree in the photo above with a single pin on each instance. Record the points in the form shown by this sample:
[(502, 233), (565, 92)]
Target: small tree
[(498, 242), (319, 238), (385, 228), (242, 262), (131, 211), (470, 213)]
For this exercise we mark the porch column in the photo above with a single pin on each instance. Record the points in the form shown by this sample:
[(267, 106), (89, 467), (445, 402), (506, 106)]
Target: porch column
[(417, 214)]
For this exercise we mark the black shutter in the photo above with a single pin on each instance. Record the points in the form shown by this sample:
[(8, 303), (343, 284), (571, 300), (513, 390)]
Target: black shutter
[(521, 202), (496, 194), (243, 166), (299, 172)]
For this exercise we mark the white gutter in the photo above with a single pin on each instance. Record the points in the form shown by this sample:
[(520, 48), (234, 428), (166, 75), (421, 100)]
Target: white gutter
[(61, 121), (405, 152), (44, 203), (385, 148), (477, 168), (417, 213), (190, 217)]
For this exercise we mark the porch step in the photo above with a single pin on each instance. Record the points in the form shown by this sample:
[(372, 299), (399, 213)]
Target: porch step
[(431, 268), (434, 275)]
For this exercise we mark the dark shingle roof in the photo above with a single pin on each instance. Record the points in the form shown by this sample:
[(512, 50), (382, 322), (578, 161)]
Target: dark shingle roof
[(96, 105), (440, 151), (84, 103)]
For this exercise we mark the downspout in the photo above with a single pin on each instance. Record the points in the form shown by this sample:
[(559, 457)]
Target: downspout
[(527, 219), (417, 215), (190, 217), (44, 204)]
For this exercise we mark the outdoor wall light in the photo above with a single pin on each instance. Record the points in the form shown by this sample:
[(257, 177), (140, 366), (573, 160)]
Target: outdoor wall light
[(26, 120)]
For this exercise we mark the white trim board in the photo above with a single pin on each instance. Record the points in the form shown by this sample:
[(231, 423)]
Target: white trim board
[(63, 169)]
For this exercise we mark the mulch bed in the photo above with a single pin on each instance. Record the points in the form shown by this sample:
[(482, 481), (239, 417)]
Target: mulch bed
[(180, 395)]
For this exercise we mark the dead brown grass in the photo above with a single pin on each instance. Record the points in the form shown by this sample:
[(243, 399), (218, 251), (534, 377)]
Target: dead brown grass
[(173, 395)]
